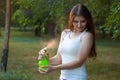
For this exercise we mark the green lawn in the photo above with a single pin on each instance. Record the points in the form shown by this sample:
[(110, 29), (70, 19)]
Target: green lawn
[(23, 53)]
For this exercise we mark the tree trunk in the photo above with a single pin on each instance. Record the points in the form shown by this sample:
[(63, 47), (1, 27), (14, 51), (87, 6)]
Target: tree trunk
[(6, 36), (0, 33), (49, 29), (103, 33), (37, 31)]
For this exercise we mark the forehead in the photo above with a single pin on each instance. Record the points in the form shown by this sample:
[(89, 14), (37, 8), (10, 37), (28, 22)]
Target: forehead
[(79, 18)]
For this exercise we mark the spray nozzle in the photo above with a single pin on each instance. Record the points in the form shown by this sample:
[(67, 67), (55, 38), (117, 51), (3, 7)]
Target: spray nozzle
[(43, 50)]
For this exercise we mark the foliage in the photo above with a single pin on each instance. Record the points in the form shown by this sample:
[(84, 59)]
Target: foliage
[(37, 13), (23, 15), (100, 9), (113, 19), (51, 11)]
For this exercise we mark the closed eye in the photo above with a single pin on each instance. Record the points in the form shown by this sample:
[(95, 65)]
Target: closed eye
[(75, 21), (83, 21)]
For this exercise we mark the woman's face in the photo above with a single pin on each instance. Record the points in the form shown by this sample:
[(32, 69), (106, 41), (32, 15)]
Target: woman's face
[(79, 23)]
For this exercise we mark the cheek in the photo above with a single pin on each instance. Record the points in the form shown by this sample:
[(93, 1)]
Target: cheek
[(84, 24)]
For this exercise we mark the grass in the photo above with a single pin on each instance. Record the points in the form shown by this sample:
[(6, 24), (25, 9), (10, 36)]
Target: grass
[(23, 53), (15, 75), (107, 65)]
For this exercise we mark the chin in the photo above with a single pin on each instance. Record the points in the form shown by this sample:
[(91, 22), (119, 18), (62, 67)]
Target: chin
[(80, 30)]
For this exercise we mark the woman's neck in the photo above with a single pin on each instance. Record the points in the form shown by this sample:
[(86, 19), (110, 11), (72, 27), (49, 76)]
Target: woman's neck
[(74, 34)]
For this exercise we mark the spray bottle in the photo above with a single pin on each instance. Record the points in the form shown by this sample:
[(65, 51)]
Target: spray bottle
[(44, 61)]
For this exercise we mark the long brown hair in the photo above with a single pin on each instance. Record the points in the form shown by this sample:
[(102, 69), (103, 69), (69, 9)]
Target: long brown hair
[(81, 10)]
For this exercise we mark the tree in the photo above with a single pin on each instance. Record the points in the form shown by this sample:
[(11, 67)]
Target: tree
[(43, 15), (6, 37), (100, 11), (2, 12), (113, 20), (34, 13)]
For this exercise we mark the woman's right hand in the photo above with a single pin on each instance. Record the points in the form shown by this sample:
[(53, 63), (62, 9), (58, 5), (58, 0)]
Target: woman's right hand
[(40, 56)]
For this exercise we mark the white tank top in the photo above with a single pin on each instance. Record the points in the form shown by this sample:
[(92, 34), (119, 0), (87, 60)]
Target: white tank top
[(68, 49)]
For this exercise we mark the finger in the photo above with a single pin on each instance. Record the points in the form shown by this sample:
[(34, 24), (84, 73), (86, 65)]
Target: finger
[(41, 71), (47, 55), (39, 52), (40, 57), (45, 66)]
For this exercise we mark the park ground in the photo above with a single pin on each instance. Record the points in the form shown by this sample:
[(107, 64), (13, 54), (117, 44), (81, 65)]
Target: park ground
[(23, 53)]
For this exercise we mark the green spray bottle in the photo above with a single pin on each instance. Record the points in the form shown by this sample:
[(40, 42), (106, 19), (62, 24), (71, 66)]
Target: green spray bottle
[(44, 61)]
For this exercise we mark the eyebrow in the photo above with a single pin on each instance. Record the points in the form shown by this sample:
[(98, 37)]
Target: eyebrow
[(79, 20)]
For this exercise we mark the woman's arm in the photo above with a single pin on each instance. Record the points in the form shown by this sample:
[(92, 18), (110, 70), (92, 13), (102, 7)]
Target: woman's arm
[(55, 59), (84, 50)]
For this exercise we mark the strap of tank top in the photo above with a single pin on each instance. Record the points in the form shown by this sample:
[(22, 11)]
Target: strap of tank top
[(66, 33)]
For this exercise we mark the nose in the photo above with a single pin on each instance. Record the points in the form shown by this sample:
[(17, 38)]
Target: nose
[(79, 24)]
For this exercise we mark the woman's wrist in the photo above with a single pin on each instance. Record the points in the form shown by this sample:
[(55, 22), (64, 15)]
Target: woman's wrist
[(58, 67)]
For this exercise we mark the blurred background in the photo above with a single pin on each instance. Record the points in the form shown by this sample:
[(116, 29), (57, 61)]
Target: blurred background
[(34, 22)]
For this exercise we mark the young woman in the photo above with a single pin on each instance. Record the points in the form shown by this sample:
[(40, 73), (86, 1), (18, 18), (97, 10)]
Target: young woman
[(76, 44)]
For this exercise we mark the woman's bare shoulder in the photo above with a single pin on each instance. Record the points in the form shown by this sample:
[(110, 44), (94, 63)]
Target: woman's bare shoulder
[(88, 35)]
